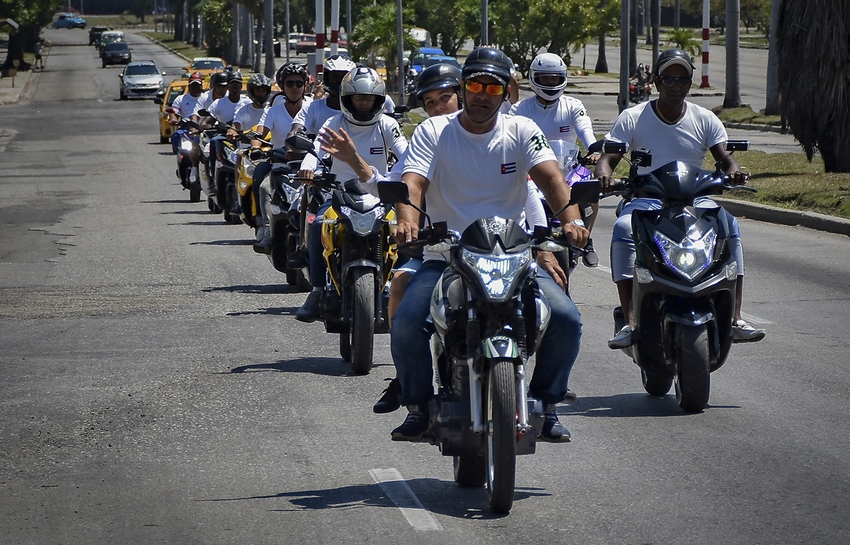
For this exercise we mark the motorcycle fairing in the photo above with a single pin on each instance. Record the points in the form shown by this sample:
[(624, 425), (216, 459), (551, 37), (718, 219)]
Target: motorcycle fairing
[(678, 182)]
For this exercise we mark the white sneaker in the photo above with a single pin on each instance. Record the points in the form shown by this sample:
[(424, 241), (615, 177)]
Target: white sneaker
[(623, 339), (742, 332), (193, 176)]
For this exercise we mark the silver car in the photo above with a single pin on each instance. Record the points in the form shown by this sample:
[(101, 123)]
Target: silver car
[(141, 79)]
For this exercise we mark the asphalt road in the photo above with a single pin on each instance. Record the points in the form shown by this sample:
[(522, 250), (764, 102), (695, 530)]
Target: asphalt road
[(156, 388)]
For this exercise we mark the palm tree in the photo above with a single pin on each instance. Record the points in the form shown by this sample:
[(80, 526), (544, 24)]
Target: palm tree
[(771, 106), (814, 76), (733, 63), (376, 34)]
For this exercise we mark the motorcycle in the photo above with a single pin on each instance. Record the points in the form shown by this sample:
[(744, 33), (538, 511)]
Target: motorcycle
[(685, 276), (360, 255), (636, 95), (489, 317), (226, 194), (184, 163)]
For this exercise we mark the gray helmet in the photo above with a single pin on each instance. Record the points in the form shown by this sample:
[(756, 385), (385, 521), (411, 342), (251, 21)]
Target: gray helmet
[(362, 80), (437, 76), (258, 81), (487, 61), (290, 69), (670, 57)]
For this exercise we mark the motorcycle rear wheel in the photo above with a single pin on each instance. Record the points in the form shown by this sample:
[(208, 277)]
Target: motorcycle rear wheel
[(655, 384), (345, 346), (362, 321), (501, 436), (470, 470), (693, 374), (195, 192)]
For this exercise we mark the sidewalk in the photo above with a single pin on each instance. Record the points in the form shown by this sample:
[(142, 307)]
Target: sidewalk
[(11, 89)]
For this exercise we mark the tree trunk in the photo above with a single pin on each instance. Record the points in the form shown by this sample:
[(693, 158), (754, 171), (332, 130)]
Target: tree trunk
[(235, 13), (771, 106), (733, 66), (676, 10), (14, 52), (656, 29), (633, 18), (268, 16), (601, 61)]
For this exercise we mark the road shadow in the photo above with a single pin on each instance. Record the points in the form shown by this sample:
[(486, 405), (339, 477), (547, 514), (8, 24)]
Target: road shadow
[(230, 242), (328, 367), (437, 496), (630, 405), (173, 201), (255, 289)]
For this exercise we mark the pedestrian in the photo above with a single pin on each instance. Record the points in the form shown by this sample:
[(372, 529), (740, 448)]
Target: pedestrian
[(37, 50)]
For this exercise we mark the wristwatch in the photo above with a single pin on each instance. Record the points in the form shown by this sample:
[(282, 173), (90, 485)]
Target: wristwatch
[(580, 223)]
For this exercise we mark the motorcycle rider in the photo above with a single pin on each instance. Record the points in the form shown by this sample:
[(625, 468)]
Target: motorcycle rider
[(375, 135), (184, 105), (293, 80), (674, 129), (224, 110), (218, 88), (560, 117), (473, 164), (311, 118)]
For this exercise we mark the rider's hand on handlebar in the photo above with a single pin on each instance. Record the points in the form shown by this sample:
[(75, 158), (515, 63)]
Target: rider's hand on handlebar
[(740, 178), (406, 232), (308, 174), (575, 235), (608, 182)]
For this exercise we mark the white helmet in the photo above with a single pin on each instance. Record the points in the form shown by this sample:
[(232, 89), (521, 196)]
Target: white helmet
[(335, 63), (547, 64), (362, 80)]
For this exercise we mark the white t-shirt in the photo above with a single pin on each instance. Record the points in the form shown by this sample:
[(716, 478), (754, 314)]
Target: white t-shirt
[(184, 105), (565, 120), (247, 116), (475, 176), (224, 109), (686, 141), (389, 105), (314, 115), (277, 120), (204, 102), (373, 143)]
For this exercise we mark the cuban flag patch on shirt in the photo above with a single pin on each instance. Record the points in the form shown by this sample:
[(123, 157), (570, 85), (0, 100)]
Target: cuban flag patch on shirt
[(565, 128), (376, 151), (508, 168)]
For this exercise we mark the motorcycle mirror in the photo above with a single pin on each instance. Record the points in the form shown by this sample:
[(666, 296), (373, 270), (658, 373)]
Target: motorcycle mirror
[(585, 192), (203, 112), (737, 145), (393, 192), (401, 109), (641, 158), (614, 147), (596, 147)]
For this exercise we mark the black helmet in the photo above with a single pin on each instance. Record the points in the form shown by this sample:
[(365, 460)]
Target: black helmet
[(437, 76), (234, 75), (673, 56), (259, 81), (290, 69), (218, 78), (490, 62)]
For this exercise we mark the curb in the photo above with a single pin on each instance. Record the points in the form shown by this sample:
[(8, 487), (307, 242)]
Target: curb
[(781, 216), (22, 85)]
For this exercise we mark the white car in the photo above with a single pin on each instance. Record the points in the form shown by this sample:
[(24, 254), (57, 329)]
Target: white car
[(141, 79)]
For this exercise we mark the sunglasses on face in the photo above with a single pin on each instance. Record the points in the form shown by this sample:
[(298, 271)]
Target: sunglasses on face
[(669, 81), (294, 83), (492, 89)]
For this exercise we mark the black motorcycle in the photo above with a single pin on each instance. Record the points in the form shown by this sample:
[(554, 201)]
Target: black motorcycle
[(489, 316), (685, 276)]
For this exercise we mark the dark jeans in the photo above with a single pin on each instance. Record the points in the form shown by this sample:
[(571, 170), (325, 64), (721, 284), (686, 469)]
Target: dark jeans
[(410, 337), (318, 267)]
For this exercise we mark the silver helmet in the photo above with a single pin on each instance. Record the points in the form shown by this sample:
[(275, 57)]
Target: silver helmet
[(362, 80)]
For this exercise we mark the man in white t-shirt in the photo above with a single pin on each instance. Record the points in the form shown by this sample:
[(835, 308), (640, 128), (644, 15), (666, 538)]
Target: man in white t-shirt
[(218, 88), (562, 119), (224, 110), (474, 164), (184, 105), (674, 130)]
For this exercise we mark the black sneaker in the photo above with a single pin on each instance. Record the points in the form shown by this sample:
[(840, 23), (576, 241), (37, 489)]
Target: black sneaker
[(312, 307), (589, 256), (264, 246), (298, 259), (389, 400), (553, 431), (414, 428)]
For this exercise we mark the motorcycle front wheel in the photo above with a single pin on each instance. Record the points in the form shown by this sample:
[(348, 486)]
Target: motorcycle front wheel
[(362, 320), (693, 373), (501, 436), (470, 470), (655, 384)]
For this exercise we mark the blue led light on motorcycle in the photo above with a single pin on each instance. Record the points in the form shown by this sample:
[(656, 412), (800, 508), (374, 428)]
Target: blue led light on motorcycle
[(690, 257)]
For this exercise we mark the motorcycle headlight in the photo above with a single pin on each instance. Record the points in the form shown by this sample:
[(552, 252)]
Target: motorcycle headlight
[(690, 257), (362, 222), (248, 166), (186, 145), (497, 273)]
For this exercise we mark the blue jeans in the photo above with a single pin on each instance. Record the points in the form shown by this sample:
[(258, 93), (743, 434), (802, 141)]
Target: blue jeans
[(410, 335), (315, 250)]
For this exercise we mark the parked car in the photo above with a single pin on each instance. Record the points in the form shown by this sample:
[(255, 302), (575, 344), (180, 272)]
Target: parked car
[(141, 79), (205, 66), (115, 53), (306, 44), (95, 33), (417, 60), (69, 20)]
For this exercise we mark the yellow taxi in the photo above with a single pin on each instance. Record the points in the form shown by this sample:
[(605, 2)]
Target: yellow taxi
[(174, 90), (206, 66)]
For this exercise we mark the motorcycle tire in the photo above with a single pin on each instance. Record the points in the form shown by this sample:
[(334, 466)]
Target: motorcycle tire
[(345, 346), (693, 373), (470, 470), (500, 423), (362, 320), (655, 384), (213, 206)]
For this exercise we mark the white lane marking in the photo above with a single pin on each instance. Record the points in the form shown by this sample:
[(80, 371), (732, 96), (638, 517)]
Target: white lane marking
[(391, 481)]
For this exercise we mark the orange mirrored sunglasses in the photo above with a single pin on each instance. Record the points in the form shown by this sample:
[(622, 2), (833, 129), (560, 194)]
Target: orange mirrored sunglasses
[(492, 89)]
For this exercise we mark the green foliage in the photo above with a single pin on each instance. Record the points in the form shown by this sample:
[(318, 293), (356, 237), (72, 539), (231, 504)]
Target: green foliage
[(686, 39), (218, 19), (376, 34), (29, 14)]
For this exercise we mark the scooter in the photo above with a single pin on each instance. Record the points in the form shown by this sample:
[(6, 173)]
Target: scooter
[(184, 163), (685, 274)]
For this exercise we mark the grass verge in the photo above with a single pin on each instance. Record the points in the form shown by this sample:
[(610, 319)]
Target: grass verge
[(167, 39)]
